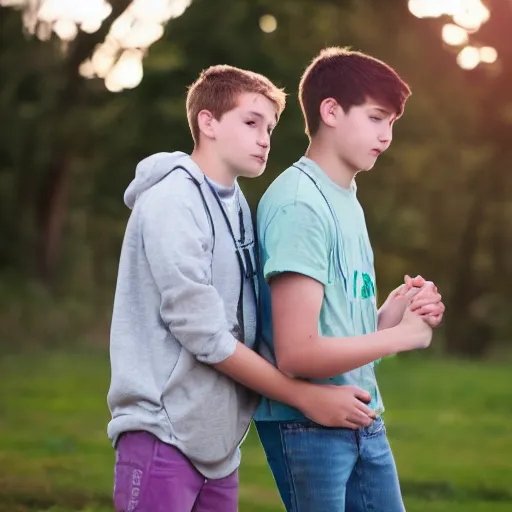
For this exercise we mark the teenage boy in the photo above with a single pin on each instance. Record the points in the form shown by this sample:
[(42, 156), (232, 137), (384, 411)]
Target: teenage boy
[(320, 320)]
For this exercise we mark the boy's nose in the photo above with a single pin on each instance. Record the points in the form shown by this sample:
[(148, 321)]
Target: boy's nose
[(264, 142), (385, 139)]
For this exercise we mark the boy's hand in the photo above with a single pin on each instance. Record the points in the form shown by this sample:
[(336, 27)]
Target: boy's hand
[(417, 333), (421, 295), (337, 406), (392, 311), (427, 303)]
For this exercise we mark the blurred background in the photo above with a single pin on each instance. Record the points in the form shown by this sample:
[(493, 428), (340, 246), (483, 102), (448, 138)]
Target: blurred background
[(87, 89)]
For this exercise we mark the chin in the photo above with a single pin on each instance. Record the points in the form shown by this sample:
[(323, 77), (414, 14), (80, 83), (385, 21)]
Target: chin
[(253, 173), (368, 166)]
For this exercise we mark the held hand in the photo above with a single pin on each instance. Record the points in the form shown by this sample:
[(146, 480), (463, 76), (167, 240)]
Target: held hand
[(392, 311), (411, 286), (428, 303), (413, 282), (424, 298), (416, 331), (337, 406)]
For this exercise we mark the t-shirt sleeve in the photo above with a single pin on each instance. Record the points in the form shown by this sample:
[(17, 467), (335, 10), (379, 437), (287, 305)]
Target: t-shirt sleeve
[(296, 240)]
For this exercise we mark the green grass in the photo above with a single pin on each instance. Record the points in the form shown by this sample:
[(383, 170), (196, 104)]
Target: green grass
[(450, 425)]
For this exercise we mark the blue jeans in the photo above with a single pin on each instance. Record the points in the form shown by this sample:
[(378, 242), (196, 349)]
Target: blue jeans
[(319, 469)]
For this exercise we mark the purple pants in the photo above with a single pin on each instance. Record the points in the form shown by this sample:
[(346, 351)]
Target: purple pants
[(152, 476)]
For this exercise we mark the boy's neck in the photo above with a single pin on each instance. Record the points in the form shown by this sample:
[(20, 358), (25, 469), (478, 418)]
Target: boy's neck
[(324, 156), (212, 167)]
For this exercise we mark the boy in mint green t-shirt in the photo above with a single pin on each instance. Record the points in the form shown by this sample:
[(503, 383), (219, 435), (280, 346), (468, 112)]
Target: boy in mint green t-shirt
[(319, 313)]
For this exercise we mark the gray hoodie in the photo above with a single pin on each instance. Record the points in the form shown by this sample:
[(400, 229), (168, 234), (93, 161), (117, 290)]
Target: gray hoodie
[(185, 293)]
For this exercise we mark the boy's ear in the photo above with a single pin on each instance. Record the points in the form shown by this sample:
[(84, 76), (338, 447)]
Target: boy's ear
[(205, 122), (329, 111)]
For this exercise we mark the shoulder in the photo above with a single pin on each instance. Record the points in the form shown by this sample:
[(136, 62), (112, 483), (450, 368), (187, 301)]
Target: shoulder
[(176, 190), (174, 202), (292, 185), (294, 196)]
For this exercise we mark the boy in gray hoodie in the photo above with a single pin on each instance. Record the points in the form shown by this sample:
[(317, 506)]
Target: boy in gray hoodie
[(185, 379)]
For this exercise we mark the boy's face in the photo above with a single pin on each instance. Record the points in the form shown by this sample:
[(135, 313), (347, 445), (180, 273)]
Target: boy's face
[(242, 135), (363, 133)]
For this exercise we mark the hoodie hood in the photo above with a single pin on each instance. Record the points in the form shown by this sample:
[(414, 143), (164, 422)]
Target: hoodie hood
[(155, 168)]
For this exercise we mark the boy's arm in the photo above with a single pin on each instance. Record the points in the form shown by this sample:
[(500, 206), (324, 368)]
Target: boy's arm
[(174, 239), (301, 351), (331, 406), (297, 242), (176, 235)]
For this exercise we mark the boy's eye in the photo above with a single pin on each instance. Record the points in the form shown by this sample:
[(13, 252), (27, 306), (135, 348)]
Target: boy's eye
[(376, 119), (250, 123)]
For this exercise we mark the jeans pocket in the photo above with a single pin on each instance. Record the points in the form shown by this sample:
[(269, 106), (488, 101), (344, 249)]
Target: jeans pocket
[(300, 426), (376, 428), (127, 487)]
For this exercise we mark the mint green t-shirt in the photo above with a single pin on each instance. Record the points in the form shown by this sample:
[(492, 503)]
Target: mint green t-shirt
[(309, 225)]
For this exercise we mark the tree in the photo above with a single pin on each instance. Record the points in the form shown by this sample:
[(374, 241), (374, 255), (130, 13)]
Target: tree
[(437, 203)]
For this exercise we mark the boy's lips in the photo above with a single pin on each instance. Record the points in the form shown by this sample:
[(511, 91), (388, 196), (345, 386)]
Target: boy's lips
[(376, 152), (262, 159)]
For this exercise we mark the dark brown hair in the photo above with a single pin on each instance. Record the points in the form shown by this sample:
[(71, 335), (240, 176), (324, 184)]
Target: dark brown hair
[(351, 78)]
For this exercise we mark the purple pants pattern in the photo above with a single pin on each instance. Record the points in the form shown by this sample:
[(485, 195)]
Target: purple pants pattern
[(152, 476)]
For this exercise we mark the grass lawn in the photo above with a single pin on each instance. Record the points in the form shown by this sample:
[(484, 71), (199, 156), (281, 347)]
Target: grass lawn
[(449, 422)]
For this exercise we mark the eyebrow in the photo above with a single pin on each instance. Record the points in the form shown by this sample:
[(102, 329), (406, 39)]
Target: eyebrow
[(383, 110)]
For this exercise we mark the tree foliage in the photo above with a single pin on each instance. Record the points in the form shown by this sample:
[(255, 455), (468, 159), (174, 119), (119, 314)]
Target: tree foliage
[(439, 203)]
